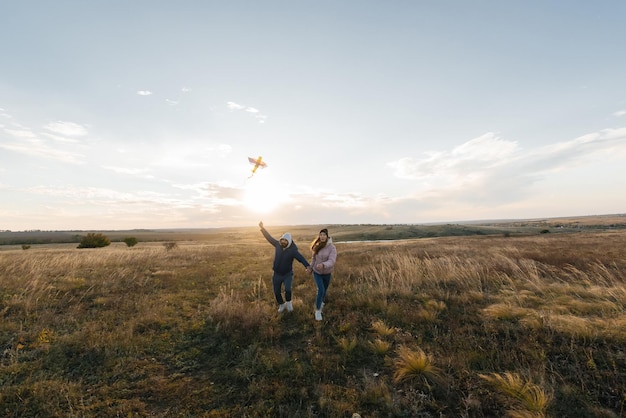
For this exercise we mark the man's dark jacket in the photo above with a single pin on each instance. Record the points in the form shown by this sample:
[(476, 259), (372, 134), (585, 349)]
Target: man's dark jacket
[(283, 257)]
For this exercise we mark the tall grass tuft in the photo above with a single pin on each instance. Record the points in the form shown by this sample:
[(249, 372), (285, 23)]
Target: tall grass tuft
[(411, 364), (382, 329), (531, 397), (347, 344), (379, 346)]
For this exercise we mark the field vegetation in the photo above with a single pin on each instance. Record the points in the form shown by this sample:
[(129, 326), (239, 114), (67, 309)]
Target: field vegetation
[(344, 232), (517, 323)]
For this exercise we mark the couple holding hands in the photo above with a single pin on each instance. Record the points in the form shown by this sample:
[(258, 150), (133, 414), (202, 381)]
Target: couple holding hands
[(324, 255)]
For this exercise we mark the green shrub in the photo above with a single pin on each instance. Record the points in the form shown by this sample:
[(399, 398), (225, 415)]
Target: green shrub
[(130, 241), (94, 240)]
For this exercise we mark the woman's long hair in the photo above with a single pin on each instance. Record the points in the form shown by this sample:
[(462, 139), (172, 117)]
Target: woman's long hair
[(317, 245)]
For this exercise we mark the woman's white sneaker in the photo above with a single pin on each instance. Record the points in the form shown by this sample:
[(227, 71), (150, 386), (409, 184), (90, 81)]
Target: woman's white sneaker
[(318, 315)]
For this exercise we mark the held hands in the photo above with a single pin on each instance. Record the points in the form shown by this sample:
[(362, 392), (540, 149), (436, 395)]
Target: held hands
[(309, 269)]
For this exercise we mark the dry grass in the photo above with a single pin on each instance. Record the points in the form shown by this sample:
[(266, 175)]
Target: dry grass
[(382, 329), (379, 346), (532, 400), (414, 363), (347, 344), (147, 331)]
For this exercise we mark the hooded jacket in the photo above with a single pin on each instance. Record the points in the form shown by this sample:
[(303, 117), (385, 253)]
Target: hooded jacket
[(283, 257), (327, 256)]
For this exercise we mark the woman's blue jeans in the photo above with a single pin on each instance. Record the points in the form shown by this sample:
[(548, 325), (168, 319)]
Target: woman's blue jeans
[(277, 282), (322, 281)]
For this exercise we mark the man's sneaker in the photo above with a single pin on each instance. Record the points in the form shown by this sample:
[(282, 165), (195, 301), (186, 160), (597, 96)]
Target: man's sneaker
[(282, 307), (318, 315), (289, 306)]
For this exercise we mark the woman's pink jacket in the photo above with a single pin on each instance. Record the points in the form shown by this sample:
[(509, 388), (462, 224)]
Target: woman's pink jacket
[(327, 256)]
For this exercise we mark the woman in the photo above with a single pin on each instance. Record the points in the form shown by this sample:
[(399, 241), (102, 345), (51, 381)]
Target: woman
[(323, 264)]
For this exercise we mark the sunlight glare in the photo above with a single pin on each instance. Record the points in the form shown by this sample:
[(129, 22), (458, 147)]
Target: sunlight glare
[(262, 196)]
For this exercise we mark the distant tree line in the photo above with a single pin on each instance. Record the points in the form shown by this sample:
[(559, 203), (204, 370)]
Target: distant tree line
[(91, 240), (16, 238)]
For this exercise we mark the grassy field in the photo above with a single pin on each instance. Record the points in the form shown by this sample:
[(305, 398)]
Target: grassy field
[(510, 324)]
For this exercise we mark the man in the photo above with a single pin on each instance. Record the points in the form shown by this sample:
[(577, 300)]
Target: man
[(285, 252)]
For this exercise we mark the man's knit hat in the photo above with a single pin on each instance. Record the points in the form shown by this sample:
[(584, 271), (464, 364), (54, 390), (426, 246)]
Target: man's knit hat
[(287, 236)]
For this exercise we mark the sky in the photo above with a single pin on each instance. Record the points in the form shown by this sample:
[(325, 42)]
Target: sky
[(127, 114)]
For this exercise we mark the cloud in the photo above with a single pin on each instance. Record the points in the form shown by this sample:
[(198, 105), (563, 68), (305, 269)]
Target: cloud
[(488, 147), (489, 170), (315, 204), (66, 128), (60, 138), (253, 111), (225, 148), (36, 148), (234, 106), (488, 154), (20, 133), (344, 200), (215, 193), (104, 196), (468, 159), (620, 113), (27, 142), (223, 193), (62, 131), (144, 92), (607, 142), (138, 172), (175, 101)]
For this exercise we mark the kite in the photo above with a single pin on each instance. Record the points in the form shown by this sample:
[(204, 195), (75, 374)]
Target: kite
[(258, 162)]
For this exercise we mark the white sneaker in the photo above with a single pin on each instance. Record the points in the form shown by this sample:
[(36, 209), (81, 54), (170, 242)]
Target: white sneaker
[(318, 315), (282, 307), (322, 307), (289, 306)]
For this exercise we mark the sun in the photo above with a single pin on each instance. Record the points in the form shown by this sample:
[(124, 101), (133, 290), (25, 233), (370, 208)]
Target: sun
[(261, 195)]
